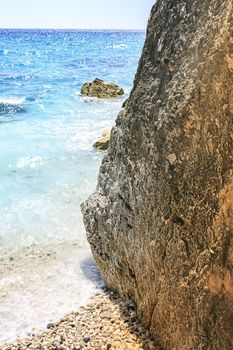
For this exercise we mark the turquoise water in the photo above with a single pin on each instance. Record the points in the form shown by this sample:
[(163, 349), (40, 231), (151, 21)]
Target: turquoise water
[(47, 164)]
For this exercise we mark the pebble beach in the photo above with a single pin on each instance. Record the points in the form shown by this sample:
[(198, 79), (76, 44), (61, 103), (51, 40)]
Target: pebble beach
[(106, 322)]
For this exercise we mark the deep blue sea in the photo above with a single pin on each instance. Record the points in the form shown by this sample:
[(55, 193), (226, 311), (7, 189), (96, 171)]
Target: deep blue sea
[(47, 163)]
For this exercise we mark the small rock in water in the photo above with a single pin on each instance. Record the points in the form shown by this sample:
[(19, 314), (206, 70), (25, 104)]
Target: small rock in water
[(103, 143), (101, 89)]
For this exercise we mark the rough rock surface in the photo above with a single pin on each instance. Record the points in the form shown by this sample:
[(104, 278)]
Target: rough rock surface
[(101, 89), (160, 223), (103, 143)]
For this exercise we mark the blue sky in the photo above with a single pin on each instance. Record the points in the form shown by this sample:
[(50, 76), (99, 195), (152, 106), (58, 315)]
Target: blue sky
[(82, 14)]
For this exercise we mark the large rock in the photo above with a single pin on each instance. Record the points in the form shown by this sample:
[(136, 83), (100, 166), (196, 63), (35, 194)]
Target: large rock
[(160, 223), (101, 89)]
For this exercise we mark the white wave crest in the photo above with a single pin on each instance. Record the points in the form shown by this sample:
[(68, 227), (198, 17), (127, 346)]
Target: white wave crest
[(29, 162), (118, 46), (12, 101)]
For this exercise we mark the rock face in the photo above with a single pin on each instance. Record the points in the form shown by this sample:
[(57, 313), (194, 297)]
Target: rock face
[(160, 223), (103, 143), (101, 89)]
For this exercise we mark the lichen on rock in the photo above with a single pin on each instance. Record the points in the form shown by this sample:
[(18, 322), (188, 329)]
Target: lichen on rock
[(101, 89), (160, 221)]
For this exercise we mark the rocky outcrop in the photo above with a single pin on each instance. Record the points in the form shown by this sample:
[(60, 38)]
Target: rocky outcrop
[(160, 223), (101, 89), (103, 143)]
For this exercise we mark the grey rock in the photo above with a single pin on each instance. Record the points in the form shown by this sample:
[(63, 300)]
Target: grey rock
[(160, 222)]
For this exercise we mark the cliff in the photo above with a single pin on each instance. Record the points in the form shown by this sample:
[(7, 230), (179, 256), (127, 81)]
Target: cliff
[(160, 223)]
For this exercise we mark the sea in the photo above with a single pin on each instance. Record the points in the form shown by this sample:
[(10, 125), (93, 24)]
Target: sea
[(48, 166)]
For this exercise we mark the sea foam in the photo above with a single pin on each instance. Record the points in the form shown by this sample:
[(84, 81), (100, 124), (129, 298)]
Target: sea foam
[(12, 101), (31, 162)]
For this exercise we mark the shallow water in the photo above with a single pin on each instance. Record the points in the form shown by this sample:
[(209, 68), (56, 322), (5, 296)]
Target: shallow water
[(41, 284), (48, 165)]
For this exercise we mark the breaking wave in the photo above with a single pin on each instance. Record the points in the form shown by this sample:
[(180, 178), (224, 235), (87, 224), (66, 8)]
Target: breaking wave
[(11, 105)]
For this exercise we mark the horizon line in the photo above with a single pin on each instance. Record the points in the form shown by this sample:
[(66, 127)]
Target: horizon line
[(77, 29)]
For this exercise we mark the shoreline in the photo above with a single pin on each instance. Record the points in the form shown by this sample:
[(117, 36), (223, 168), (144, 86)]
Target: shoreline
[(40, 284), (106, 322)]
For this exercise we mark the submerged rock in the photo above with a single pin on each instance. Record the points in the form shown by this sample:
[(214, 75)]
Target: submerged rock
[(160, 223), (101, 89), (103, 143)]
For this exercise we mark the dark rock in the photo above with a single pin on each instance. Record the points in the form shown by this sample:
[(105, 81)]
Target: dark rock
[(160, 222), (50, 325), (86, 338), (124, 103), (101, 89)]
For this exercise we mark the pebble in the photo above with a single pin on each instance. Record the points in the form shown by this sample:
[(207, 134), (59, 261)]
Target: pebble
[(86, 338), (50, 325), (106, 323)]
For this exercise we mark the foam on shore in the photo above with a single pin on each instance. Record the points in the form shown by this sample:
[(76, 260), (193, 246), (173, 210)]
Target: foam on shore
[(40, 284)]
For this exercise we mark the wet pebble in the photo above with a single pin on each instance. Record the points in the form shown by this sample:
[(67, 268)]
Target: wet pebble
[(50, 325)]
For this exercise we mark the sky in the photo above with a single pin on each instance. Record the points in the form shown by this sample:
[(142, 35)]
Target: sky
[(75, 14)]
